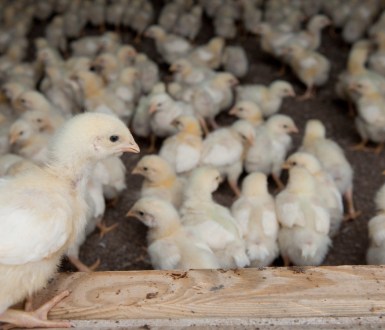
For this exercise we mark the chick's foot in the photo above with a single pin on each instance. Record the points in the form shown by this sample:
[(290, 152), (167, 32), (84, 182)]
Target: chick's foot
[(104, 229), (35, 319), (81, 266)]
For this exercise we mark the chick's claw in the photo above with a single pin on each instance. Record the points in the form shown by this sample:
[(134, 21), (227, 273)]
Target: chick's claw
[(104, 229), (37, 318)]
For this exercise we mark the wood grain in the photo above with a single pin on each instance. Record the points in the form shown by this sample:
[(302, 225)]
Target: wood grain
[(278, 296)]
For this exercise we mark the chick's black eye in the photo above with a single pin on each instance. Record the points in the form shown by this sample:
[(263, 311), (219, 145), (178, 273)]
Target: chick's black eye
[(21, 133), (141, 213), (145, 168), (284, 126), (114, 138), (39, 120)]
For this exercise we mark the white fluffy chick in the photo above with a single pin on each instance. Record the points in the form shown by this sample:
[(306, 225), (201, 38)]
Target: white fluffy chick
[(235, 61), (225, 149), (333, 160), (163, 110), (212, 96), (377, 58), (170, 46), (269, 98), (189, 23), (56, 206), (210, 221), (370, 120), (272, 142), (254, 211), (376, 227), (170, 245), (311, 67), (148, 72), (303, 238), (249, 111), (330, 196), (210, 54), (140, 123), (183, 149), (160, 179)]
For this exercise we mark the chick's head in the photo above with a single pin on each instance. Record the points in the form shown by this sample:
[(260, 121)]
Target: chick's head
[(225, 80), (154, 168), (204, 179), (92, 137), (159, 102), (363, 87), (155, 32), (314, 129), (153, 211), (19, 132), (281, 124), (282, 88), (187, 123), (245, 131), (247, 110), (304, 160), (254, 184)]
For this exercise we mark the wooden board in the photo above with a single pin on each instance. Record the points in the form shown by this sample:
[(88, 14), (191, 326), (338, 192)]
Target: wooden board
[(275, 297)]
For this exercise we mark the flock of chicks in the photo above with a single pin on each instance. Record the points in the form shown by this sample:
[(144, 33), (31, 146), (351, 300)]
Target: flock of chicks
[(54, 160)]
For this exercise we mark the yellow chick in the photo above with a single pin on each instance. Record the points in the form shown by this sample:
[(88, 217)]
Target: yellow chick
[(210, 221), (303, 238), (97, 98), (57, 207), (371, 114), (169, 46), (160, 179), (189, 23), (210, 54), (254, 211), (235, 61), (249, 111), (33, 100), (311, 67), (170, 245), (183, 150), (377, 58), (108, 66), (333, 160), (272, 142), (169, 15), (268, 98), (225, 149), (188, 73), (212, 96), (375, 254), (330, 196)]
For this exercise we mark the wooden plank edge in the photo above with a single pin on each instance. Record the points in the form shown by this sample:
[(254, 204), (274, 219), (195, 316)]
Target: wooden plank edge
[(296, 297)]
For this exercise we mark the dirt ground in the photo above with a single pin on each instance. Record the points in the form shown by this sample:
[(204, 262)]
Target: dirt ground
[(125, 247)]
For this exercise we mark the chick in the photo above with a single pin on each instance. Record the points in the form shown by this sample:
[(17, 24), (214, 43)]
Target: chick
[(330, 196), (108, 66), (169, 15), (251, 16), (170, 46), (272, 142), (183, 150), (309, 66), (371, 114), (97, 98), (225, 149), (7, 161), (210, 221), (188, 73), (170, 245), (57, 206), (148, 72), (303, 238), (189, 23), (254, 211), (114, 13), (376, 251), (33, 100), (55, 34), (333, 160), (377, 58), (249, 111), (160, 179), (140, 124), (142, 19), (164, 110), (210, 54), (212, 96), (235, 61), (269, 99)]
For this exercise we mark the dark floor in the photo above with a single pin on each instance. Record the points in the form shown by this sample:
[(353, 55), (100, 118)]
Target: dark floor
[(125, 248)]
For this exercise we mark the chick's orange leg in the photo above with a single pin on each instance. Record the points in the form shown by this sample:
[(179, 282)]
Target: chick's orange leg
[(278, 181), (81, 266), (310, 93), (352, 213), (379, 148), (360, 146), (35, 319), (203, 124), (104, 229), (152, 148), (234, 187)]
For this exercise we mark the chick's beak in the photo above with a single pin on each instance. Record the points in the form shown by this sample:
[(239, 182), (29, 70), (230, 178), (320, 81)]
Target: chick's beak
[(294, 130), (130, 147), (233, 111), (286, 166), (292, 93), (12, 139), (152, 109), (136, 170), (130, 213)]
